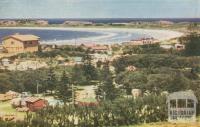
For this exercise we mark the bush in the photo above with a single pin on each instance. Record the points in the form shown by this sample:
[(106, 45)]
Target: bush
[(116, 113), (155, 61)]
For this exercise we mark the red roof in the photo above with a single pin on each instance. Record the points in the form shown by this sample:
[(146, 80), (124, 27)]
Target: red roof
[(144, 38)]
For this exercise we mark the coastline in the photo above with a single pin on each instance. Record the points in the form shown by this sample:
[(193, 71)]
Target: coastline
[(107, 33)]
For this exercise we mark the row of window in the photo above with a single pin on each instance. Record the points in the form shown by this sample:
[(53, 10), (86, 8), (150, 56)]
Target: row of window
[(26, 42), (182, 103)]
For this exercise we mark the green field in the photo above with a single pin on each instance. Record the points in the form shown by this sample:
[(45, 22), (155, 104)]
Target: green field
[(6, 108), (166, 124)]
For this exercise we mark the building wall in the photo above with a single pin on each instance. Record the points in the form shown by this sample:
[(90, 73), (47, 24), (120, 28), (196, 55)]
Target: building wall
[(36, 105), (12, 45), (31, 49), (31, 46), (15, 46)]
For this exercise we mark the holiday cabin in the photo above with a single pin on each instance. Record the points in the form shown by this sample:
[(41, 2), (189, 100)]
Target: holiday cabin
[(19, 43)]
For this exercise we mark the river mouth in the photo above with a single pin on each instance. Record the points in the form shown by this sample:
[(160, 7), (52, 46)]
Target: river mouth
[(62, 36)]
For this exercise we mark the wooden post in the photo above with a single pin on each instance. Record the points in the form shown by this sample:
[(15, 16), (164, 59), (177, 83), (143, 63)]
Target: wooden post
[(169, 108)]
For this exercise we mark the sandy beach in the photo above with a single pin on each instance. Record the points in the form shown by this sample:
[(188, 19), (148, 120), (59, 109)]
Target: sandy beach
[(109, 35)]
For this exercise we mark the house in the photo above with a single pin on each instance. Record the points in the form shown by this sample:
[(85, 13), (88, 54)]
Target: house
[(41, 22), (131, 68), (100, 48), (75, 23), (61, 60), (53, 102), (5, 62), (97, 48), (136, 93), (1, 49), (32, 103), (182, 106), (8, 23), (5, 97), (19, 43), (78, 60), (162, 22), (167, 46), (100, 57), (142, 41), (12, 93), (179, 47), (35, 104)]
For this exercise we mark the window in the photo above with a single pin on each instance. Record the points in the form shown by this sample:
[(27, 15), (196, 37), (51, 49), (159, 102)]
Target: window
[(190, 103), (12, 42), (172, 103), (182, 103)]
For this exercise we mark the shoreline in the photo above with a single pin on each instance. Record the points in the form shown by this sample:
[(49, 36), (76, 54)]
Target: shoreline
[(107, 34)]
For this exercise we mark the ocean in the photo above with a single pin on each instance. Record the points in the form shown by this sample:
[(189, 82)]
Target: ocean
[(71, 36)]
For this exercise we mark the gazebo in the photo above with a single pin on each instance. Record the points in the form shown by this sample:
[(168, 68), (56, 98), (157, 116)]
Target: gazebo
[(182, 106)]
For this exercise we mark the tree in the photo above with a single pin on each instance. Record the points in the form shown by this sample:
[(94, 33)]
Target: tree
[(131, 80), (78, 77), (99, 63), (192, 26), (64, 89), (158, 83), (192, 44), (89, 70), (51, 81), (179, 82), (106, 88), (34, 81)]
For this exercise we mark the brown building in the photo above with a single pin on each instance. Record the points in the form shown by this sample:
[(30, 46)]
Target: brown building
[(35, 104), (97, 48), (142, 41), (179, 47), (20, 43)]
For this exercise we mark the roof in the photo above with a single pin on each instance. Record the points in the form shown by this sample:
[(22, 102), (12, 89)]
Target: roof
[(11, 92), (32, 99), (96, 47), (182, 95), (179, 44), (77, 59), (99, 47), (143, 38), (25, 37)]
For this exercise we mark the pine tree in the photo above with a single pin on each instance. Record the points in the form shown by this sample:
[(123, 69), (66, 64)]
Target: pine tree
[(78, 77), (64, 89), (89, 70), (51, 81), (106, 89), (192, 44)]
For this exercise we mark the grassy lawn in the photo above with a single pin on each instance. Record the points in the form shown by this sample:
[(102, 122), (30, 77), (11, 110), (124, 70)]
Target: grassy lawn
[(6, 108), (166, 124)]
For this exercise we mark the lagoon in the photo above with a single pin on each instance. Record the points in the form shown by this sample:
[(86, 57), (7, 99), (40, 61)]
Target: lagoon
[(60, 36)]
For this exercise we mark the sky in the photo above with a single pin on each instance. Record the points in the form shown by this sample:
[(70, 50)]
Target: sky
[(99, 9)]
